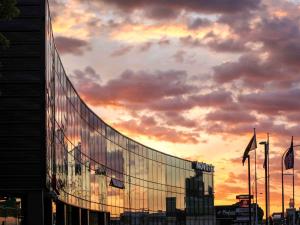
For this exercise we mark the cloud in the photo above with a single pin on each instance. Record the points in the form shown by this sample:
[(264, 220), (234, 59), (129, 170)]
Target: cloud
[(272, 102), (137, 88), (68, 45), (179, 56), (198, 22), (123, 50), (227, 45), (145, 46), (86, 75), (273, 59), (161, 13), (231, 117), (164, 41), (217, 98), (281, 37), (145, 126), (156, 91), (255, 72), (216, 43), (203, 6), (172, 118), (190, 41)]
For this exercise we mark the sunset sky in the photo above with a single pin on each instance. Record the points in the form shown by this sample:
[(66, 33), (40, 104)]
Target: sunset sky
[(191, 78)]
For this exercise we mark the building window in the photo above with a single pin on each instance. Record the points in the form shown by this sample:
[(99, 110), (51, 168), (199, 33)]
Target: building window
[(11, 211)]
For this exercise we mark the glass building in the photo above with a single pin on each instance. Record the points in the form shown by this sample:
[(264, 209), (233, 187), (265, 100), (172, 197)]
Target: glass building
[(87, 172)]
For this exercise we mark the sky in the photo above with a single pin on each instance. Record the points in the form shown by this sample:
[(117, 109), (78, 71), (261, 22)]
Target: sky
[(191, 78)]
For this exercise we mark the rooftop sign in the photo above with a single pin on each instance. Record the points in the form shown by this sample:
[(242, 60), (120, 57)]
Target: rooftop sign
[(203, 167)]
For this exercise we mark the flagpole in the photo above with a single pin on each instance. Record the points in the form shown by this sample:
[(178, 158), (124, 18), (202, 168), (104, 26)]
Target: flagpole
[(251, 146), (293, 187), (293, 174), (249, 189), (256, 221), (282, 189), (266, 180), (266, 184), (268, 174), (282, 186), (282, 176)]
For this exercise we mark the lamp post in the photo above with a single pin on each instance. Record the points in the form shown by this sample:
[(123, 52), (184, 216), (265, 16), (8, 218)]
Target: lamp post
[(255, 192), (282, 183), (266, 180)]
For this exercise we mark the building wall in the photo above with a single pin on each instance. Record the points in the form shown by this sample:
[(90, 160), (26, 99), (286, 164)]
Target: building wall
[(22, 104), (22, 110), (91, 165)]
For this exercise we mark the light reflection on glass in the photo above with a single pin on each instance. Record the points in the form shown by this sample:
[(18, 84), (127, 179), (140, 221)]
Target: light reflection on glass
[(84, 154)]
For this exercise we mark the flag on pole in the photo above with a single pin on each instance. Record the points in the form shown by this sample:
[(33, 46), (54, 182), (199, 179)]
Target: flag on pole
[(251, 146), (289, 157)]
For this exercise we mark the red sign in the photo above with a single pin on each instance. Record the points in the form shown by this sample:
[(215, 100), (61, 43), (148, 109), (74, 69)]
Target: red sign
[(244, 203)]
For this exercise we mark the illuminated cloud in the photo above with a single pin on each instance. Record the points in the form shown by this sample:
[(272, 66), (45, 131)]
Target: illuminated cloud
[(131, 33), (147, 127), (137, 88)]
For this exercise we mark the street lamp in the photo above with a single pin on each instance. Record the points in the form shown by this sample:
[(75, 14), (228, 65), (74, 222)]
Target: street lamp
[(282, 186)]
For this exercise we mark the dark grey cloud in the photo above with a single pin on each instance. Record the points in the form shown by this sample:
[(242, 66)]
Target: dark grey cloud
[(248, 69), (281, 37), (198, 22), (87, 75), (272, 102), (218, 98), (227, 45), (68, 45), (161, 13), (212, 6)]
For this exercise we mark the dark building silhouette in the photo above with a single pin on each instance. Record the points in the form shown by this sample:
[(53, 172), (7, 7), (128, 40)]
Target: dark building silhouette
[(236, 215), (61, 164)]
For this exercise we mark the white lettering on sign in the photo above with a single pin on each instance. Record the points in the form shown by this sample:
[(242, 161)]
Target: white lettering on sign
[(203, 166)]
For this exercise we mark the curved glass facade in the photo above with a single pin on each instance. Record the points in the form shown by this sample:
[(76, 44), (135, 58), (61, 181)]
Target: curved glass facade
[(93, 166)]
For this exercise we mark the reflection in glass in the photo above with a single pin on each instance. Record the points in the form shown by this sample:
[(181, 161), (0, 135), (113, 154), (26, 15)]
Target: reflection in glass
[(98, 168)]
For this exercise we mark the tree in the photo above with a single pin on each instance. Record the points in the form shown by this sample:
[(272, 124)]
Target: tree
[(8, 11)]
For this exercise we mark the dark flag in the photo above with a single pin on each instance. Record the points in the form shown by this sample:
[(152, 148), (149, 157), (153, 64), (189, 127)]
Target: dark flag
[(289, 157), (251, 146)]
